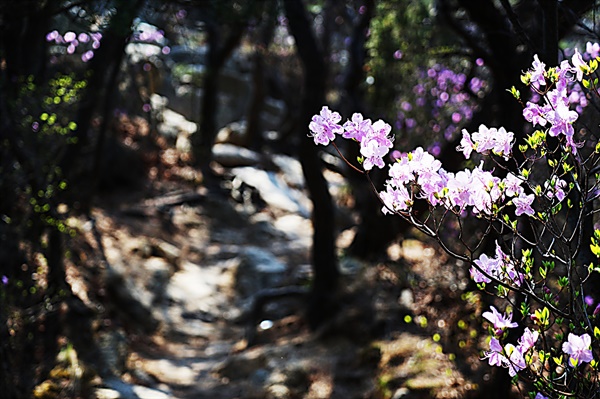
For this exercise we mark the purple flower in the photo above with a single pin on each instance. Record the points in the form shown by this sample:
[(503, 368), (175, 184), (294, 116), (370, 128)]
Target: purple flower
[(357, 128), (579, 64), (4, 280), (495, 356), (499, 321), (589, 300), (540, 396), (512, 185), (556, 187), (324, 126), (578, 349), (466, 144), (88, 55), (373, 152), (375, 144), (499, 141), (516, 362), (486, 264), (508, 357), (523, 204), (537, 73), (535, 114), (503, 142), (528, 340), (395, 199), (593, 49)]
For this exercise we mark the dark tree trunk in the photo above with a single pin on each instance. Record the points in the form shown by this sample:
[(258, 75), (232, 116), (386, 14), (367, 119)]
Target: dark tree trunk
[(218, 53), (322, 303), (375, 231), (265, 36), (105, 59)]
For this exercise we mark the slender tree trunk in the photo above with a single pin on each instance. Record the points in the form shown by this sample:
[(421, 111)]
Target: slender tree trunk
[(375, 230), (265, 36), (218, 53), (322, 303)]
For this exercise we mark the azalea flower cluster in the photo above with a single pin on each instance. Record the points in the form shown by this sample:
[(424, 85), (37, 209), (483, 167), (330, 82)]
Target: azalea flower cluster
[(477, 189), (508, 356), (556, 110), (535, 197), (515, 358), (501, 268), (374, 138)]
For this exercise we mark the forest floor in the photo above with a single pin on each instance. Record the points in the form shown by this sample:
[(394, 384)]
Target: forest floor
[(189, 262)]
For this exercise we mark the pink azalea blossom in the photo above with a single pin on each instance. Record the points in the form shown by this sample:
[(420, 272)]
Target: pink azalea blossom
[(508, 357), (535, 114), (512, 185), (578, 349), (523, 204), (516, 361), (499, 141), (556, 188), (499, 321), (69, 36), (593, 49), (395, 199), (373, 152), (400, 172), (538, 71), (494, 355), (325, 126), (466, 145), (487, 264), (375, 144), (528, 340), (579, 65), (357, 128)]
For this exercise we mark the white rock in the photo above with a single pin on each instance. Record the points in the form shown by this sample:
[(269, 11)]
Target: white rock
[(230, 155), (274, 190)]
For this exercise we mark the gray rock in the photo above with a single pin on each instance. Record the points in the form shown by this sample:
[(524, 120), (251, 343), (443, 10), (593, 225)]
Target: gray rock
[(165, 250), (274, 190), (257, 269), (117, 389), (232, 156), (291, 169), (173, 124)]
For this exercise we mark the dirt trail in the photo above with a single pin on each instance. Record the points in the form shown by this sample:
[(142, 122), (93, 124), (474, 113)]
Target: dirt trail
[(193, 260)]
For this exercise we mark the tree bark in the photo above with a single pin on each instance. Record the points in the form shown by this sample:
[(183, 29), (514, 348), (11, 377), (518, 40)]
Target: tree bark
[(322, 303), (218, 53)]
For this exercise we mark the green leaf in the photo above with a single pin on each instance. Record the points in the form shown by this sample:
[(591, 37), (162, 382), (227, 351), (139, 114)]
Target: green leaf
[(563, 281), (558, 360), (586, 83)]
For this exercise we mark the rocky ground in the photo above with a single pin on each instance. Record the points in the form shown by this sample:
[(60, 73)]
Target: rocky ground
[(174, 269)]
